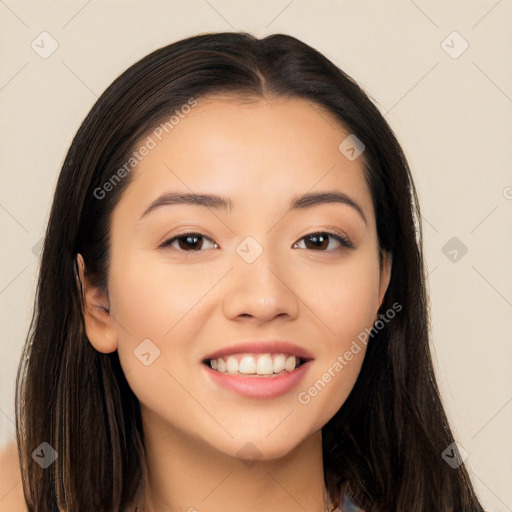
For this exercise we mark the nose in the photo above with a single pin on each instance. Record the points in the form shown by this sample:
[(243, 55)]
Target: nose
[(260, 291)]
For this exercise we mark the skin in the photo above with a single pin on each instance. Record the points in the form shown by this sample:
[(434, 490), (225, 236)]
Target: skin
[(260, 154)]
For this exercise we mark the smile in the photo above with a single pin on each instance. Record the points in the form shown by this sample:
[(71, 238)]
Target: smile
[(269, 365), (260, 376)]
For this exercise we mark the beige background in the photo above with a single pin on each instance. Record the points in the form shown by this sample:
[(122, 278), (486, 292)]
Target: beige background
[(451, 115)]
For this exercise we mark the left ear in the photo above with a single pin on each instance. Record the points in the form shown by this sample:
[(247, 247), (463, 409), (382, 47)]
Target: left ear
[(385, 274)]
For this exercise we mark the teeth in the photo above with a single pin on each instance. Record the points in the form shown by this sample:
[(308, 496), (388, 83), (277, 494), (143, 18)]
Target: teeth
[(279, 363), (289, 366), (265, 365), (221, 365), (232, 365), (255, 364), (247, 365)]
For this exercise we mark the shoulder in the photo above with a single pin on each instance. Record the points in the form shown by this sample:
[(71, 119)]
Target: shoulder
[(11, 489), (346, 504)]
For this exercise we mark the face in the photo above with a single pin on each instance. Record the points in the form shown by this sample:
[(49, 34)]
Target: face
[(259, 268)]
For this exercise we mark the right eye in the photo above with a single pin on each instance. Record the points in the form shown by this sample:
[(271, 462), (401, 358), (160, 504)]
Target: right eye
[(188, 242)]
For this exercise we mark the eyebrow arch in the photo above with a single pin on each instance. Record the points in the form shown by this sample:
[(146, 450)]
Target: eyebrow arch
[(313, 199), (224, 203)]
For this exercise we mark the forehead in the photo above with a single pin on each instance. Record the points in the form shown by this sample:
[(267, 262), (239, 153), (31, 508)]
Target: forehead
[(248, 149)]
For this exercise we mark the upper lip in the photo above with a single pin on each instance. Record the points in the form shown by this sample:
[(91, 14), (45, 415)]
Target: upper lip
[(263, 347)]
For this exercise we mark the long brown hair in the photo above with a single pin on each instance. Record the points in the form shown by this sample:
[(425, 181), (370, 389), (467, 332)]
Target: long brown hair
[(386, 440)]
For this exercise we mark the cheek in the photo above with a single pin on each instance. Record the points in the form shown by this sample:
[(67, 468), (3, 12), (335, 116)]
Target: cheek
[(344, 296), (327, 390), (151, 298), (159, 310), (167, 305), (346, 302)]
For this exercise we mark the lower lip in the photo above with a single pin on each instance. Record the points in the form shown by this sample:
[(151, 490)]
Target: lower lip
[(257, 386)]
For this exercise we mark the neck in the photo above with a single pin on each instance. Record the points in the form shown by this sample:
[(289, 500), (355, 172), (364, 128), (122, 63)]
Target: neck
[(188, 474)]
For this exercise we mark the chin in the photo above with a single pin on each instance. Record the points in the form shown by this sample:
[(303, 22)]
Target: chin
[(252, 449)]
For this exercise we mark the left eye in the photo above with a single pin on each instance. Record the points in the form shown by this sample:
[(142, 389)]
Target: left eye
[(320, 241)]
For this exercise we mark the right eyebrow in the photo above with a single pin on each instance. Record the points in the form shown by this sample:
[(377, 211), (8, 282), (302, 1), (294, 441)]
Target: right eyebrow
[(208, 200)]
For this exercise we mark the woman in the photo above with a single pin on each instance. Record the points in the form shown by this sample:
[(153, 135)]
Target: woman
[(231, 309)]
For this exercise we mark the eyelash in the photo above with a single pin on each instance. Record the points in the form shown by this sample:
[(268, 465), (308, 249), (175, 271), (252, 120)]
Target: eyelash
[(342, 239)]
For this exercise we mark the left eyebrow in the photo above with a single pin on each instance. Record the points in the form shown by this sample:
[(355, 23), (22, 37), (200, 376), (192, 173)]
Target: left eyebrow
[(313, 199), (224, 203)]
